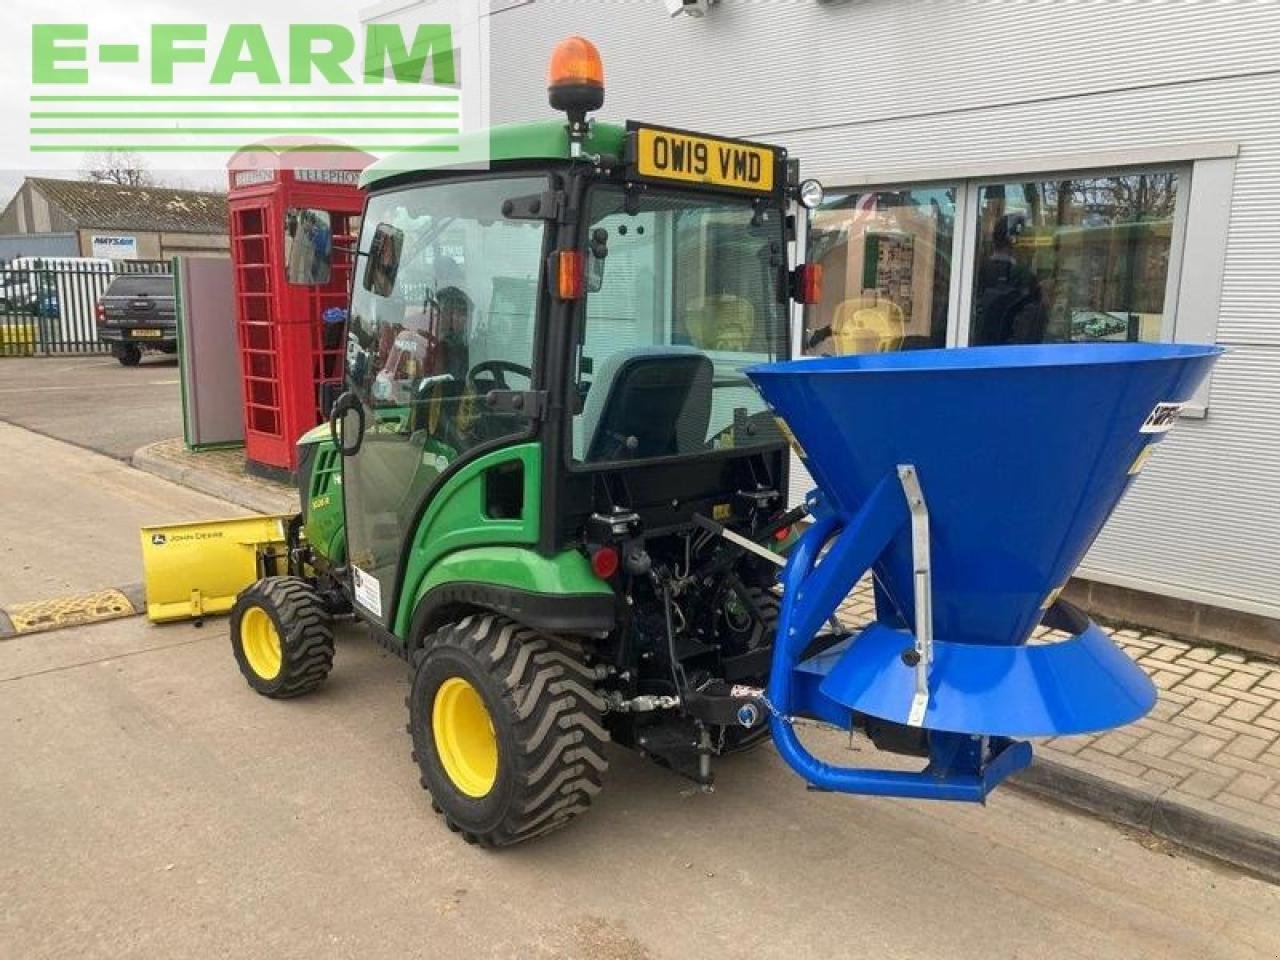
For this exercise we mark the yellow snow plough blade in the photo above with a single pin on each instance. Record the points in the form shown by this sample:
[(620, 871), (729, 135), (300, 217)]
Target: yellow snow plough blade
[(195, 570)]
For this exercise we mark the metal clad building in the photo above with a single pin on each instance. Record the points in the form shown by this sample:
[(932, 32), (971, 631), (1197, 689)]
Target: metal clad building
[(976, 105), (118, 222)]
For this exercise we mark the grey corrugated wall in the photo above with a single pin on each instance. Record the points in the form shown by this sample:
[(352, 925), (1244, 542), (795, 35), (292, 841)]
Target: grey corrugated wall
[(896, 84)]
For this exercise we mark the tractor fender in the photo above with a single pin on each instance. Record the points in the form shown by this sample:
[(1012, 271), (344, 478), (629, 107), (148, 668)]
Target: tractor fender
[(557, 594)]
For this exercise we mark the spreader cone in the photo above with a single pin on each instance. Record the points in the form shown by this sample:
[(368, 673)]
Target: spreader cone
[(1022, 452)]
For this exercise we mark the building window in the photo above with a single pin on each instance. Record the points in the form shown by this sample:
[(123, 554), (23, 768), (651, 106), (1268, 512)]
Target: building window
[(1073, 260), (886, 258)]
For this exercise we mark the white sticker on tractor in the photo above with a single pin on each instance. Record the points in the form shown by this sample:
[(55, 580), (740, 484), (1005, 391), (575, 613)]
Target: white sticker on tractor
[(368, 591), (1162, 418)]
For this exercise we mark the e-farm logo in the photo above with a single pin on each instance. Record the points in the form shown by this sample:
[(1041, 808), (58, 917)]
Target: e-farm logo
[(315, 49), (208, 88)]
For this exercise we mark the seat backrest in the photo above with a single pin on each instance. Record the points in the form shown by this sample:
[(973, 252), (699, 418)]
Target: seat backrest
[(722, 321), (648, 402), (867, 324)]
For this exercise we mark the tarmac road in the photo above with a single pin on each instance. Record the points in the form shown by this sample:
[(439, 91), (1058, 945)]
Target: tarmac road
[(70, 517), (154, 807), (93, 401)]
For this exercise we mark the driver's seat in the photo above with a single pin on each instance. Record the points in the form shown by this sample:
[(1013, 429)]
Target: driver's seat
[(648, 402)]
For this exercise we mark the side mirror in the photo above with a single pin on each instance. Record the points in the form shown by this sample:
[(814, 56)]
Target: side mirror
[(308, 247), (384, 260), (346, 424)]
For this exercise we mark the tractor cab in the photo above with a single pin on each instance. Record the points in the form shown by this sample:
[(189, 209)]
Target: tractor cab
[(549, 483), (574, 334)]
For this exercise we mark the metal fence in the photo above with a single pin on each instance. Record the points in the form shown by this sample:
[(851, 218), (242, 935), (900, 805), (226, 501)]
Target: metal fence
[(48, 305)]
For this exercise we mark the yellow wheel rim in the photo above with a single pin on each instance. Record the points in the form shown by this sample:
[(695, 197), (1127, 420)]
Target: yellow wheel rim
[(261, 643), (465, 739)]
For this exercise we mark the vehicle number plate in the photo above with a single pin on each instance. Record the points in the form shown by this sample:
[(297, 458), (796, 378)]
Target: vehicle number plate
[(662, 154), (148, 333)]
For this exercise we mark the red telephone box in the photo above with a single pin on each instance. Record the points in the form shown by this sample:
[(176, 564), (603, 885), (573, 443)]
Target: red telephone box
[(291, 336)]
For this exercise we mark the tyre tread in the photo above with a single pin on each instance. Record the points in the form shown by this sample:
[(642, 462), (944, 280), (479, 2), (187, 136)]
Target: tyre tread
[(555, 717), (307, 634)]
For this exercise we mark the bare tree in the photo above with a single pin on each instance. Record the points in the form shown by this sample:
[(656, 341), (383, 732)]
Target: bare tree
[(114, 166), (204, 181)]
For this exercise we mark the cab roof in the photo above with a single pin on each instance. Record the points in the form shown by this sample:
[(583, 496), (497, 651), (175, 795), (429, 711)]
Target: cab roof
[(540, 140)]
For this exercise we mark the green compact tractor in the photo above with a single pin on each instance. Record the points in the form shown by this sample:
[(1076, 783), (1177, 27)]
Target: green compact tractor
[(549, 485)]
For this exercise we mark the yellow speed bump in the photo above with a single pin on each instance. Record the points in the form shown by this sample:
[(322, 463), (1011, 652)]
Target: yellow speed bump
[(73, 611)]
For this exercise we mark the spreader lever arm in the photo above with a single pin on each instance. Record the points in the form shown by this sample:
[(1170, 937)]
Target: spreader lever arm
[(921, 567), (738, 540)]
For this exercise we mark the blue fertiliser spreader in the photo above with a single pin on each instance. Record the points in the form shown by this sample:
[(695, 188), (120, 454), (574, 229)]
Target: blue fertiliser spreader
[(971, 483)]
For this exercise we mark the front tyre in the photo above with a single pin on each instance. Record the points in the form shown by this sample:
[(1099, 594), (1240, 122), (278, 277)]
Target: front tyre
[(506, 729), (282, 637)]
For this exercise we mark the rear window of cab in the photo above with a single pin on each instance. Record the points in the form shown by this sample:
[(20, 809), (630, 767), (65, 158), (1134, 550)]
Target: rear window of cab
[(142, 285)]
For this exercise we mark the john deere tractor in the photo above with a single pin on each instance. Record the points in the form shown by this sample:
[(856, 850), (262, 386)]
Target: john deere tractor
[(549, 485)]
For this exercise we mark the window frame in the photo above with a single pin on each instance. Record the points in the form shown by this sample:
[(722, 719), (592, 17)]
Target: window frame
[(1177, 240), (1206, 181), (891, 186), (540, 317)]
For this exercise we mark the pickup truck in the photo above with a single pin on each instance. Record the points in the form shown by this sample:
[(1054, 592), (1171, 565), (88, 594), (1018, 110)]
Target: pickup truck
[(136, 313)]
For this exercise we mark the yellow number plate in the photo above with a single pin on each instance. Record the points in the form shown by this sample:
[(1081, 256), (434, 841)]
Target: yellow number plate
[(689, 158), (147, 333)]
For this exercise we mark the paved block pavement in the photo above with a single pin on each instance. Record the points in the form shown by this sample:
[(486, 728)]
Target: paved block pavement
[(1213, 735), (1212, 741), (154, 806)]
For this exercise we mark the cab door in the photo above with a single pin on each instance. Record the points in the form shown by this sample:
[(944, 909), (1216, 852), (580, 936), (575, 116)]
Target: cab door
[(443, 313)]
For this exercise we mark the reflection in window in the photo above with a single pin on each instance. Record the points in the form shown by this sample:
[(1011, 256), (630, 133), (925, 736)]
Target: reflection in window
[(886, 259), (444, 311), (1073, 260), (688, 298)]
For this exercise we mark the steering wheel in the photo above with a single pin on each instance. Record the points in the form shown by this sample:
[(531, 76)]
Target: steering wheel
[(497, 370)]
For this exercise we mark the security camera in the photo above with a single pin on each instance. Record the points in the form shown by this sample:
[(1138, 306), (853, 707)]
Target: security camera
[(694, 8)]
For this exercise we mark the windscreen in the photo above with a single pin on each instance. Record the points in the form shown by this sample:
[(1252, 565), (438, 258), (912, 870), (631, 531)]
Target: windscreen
[(684, 293), (445, 297)]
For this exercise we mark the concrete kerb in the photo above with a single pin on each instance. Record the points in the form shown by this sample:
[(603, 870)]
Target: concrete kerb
[(1178, 818), (240, 493)]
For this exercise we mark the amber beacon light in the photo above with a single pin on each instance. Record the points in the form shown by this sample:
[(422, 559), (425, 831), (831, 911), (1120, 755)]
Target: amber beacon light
[(575, 83)]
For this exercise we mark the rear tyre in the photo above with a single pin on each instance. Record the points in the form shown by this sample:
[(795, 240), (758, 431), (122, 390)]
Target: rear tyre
[(282, 637), (129, 354), (506, 729)]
